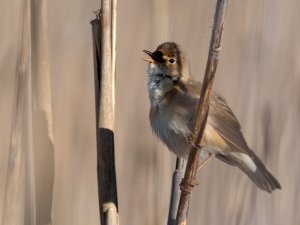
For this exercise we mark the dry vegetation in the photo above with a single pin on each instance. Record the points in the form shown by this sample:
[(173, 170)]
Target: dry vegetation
[(259, 74)]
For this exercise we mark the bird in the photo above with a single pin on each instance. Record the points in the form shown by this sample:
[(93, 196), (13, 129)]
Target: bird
[(174, 97)]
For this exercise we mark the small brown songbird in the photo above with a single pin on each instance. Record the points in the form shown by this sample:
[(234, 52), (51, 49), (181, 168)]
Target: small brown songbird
[(174, 97)]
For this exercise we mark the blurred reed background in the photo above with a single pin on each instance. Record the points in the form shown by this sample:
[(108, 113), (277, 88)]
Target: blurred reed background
[(259, 74)]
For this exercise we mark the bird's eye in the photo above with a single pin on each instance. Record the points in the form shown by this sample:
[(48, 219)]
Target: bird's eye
[(172, 61)]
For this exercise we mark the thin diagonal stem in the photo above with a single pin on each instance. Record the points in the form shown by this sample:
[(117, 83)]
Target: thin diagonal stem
[(193, 163)]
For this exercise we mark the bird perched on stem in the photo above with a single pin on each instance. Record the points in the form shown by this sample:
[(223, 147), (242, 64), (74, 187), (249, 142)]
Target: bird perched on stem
[(174, 97)]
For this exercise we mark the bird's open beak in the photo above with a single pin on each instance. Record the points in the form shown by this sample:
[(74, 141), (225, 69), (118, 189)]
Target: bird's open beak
[(151, 60), (154, 57)]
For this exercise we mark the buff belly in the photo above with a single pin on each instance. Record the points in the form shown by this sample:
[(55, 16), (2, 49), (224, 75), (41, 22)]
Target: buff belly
[(173, 130)]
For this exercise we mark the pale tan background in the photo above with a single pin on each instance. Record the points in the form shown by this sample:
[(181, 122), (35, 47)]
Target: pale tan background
[(259, 74)]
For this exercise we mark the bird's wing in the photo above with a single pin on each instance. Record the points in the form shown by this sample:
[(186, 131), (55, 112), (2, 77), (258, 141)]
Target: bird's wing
[(222, 119)]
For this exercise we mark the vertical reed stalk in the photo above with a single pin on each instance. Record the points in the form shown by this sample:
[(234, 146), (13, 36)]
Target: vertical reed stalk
[(175, 191), (103, 28)]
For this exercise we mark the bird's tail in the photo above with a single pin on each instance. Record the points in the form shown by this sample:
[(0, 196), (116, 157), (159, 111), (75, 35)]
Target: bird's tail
[(254, 168)]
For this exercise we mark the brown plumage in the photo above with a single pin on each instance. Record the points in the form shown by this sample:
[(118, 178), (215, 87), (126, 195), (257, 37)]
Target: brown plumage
[(174, 96)]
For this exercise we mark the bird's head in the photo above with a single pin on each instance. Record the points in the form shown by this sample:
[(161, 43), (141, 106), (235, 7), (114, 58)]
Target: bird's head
[(168, 61)]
